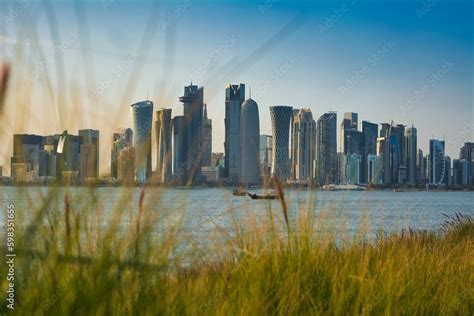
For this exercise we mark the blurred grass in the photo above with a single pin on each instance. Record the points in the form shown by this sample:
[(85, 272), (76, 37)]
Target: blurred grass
[(67, 265)]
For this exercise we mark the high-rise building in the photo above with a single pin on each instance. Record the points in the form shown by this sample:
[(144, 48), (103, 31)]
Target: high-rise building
[(420, 166), (467, 153), (121, 139), (281, 119), (89, 161), (179, 148), (206, 139), (126, 165), (349, 122), (369, 134), (25, 162), (304, 143), (395, 135), (374, 169), (437, 162), (411, 154), (234, 97), (67, 157), (250, 143), (383, 152), (265, 154), (193, 109), (142, 116), (326, 146), (353, 168), (465, 173), (163, 135)]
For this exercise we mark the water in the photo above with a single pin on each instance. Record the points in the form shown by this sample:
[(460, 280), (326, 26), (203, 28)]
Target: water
[(207, 212)]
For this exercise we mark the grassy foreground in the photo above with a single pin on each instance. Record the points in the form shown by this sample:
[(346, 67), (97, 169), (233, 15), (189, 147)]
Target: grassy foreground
[(67, 265)]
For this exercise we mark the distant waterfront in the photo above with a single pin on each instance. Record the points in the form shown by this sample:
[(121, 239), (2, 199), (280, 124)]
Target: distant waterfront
[(206, 211)]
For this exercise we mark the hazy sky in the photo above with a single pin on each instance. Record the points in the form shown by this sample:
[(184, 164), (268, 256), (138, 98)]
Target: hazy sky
[(406, 61)]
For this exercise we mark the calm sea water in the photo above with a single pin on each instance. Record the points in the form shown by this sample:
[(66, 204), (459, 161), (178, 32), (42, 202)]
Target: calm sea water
[(202, 212)]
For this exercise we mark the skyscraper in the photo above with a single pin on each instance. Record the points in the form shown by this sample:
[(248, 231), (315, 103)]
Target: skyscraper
[(193, 108), (326, 145), (304, 143), (437, 162), (89, 154), (266, 154), (206, 140), (163, 134), (383, 151), (142, 116), (250, 143), (25, 162), (369, 134), (411, 152), (467, 153), (179, 148), (121, 139), (234, 97), (349, 122), (281, 119)]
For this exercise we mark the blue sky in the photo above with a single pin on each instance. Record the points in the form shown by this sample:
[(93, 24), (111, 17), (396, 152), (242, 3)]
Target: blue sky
[(407, 61)]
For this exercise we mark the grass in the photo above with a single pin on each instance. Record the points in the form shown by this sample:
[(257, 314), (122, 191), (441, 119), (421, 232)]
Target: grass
[(67, 264)]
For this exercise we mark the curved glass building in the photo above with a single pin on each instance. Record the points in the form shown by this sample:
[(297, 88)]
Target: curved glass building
[(281, 119), (249, 143), (142, 116)]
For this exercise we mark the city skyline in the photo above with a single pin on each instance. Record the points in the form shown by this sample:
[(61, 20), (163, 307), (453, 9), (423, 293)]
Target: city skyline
[(383, 75)]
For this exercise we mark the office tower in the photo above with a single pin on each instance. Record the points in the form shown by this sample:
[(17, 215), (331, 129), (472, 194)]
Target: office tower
[(341, 168), (67, 157), (349, 122), (206, 139), (353, 168), (437, 162), (467, 153), (395, 134), (448, 171), (465, 172), (142, 116), (369, 135), (250, 143), (89, 160), (420, 166), (304, 143), (126, 165), (326, 145), (411, 154), (266, 154), (457, 172), (163, 135), (25, 162), (121, 139), (48, 161), (234, 97), (193, 108), (281, 119), (383, 151), (179, 148), (374, 169), (293, 144)]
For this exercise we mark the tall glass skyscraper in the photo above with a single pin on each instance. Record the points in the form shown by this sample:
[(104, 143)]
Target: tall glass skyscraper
[(142, 117), (250, 143), (163, 131), (193, 106), (281, 119), (370, 134), (326, 144), (304, 143), (234, 97), (437, 162), (411, 152)]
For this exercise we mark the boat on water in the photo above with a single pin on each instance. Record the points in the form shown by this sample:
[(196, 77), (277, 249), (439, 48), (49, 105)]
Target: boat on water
[(238, 192), (266, 196), (343, 187)]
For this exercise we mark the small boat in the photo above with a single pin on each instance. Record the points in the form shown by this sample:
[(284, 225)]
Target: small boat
[(238, 192), (267, 196)]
